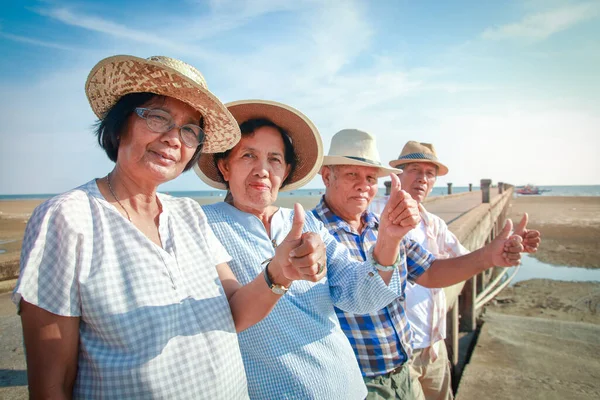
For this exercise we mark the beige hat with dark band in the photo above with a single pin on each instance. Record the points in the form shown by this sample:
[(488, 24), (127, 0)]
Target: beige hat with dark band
[(114, 77), (304, 135), (419, 152), (354, 147)]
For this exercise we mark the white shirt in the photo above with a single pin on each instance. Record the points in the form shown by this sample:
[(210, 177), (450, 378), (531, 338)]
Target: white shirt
[(155, 322), (434, 235)]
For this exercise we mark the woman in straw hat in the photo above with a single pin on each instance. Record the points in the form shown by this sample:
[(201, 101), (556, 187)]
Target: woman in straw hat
[(298, 350), (124, 292)]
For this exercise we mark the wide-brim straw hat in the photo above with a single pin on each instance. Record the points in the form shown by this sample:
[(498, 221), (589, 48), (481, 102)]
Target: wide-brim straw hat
[(419, 152), (116, 76), (304, 135), (355, 147)]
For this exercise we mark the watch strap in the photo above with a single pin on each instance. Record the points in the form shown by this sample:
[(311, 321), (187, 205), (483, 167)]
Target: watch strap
[(275, 288)]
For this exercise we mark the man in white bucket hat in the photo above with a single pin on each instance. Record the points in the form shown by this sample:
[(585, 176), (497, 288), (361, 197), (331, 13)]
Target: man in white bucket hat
[(381, 340), (426, 307)]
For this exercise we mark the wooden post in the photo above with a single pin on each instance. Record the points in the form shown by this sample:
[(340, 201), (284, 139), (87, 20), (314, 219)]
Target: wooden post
[(485, 190), (388, 187), (500, 187), (468, 316), (480, 283), (452, 333), (470, 187), (449, 187)]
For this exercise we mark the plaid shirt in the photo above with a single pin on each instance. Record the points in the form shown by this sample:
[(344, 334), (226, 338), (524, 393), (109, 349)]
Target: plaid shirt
[(381, 340)]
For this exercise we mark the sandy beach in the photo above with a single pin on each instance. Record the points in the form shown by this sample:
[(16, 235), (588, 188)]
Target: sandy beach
[(570, 228)]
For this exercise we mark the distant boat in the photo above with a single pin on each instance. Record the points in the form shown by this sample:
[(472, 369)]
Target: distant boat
[(531, 189)]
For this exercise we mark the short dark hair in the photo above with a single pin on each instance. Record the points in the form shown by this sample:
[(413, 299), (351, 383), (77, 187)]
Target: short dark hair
[(248, 128), (109, 129)]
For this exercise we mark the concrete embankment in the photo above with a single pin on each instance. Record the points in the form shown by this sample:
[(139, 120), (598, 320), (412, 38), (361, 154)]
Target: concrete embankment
[(520, 357)]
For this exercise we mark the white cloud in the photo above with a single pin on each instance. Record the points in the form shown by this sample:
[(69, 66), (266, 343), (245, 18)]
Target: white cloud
[(110, 28), (544, 24), (36, 42), (326, 62)]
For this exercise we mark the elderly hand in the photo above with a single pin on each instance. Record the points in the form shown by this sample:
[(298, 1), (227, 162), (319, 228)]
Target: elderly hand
[(531, 237), (505, 250), (401, 213), (300, 256)]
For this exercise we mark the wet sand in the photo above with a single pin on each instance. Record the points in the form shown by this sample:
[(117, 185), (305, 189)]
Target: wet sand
[(540, 337), (570, 228), (545, 298)]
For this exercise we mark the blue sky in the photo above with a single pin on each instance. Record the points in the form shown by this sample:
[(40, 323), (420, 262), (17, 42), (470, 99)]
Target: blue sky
[(504, 90)]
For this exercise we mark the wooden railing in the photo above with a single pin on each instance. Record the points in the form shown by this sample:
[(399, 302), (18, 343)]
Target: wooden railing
[(465, 300)]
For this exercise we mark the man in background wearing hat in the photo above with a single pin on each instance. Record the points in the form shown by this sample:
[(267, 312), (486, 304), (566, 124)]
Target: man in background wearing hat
[(426, 307), (381, 341)]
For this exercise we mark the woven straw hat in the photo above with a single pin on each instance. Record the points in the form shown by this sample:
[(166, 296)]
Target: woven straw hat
[(419, 152), (116, 76), (354, 147), (304, 135)]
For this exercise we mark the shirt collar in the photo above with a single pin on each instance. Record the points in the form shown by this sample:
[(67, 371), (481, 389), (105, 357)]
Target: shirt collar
[(334, 223)]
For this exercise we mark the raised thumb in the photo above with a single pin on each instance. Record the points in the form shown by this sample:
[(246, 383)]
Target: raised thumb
[(396, 184), (297, 223), (506, 230), (522, 225)]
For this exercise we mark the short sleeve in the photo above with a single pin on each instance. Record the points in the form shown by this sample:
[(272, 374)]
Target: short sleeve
[(54, 247), (418, 259)]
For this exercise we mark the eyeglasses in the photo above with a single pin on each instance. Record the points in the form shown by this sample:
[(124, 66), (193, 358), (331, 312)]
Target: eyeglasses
[(160, 121)]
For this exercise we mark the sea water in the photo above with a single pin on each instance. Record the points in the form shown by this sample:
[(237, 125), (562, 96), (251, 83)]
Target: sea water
[(591, 190), (532, 268)]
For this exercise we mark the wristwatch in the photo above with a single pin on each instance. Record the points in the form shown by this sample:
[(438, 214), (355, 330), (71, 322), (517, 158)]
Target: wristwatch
[(275, 288)]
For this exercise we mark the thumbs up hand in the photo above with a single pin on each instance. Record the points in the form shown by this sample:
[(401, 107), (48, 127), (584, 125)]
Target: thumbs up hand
[(300, 256), (401, 213), (531, 237), (506, 248)]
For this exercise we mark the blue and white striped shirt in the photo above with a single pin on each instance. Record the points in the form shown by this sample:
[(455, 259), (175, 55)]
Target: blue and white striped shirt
[(299, 351), (381, 340)]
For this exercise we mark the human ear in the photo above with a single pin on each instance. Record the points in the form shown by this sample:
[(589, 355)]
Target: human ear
[(223, 168)]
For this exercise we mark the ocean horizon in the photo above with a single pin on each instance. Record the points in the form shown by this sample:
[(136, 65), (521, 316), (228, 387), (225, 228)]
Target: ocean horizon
[(551, 190)]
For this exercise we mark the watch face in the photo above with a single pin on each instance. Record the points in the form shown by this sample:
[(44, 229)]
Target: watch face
[(278, 289)]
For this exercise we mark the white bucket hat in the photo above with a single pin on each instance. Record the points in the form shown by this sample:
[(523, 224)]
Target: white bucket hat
[(114, 77), (354, 147)]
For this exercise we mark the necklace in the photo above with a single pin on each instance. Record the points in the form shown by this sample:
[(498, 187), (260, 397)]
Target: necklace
[(115, 196)]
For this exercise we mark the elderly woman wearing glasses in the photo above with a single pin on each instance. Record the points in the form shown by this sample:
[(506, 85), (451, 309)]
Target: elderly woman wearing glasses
[(125, 292)]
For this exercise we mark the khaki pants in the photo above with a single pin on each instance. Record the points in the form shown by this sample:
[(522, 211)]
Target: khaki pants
[(431, 380), (395, 385)]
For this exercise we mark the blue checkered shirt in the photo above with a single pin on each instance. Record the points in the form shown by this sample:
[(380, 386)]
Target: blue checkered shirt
[(299, 350), (381, 340)]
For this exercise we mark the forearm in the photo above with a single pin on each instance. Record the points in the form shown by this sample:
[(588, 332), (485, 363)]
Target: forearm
[(385, 253), (447, 272), (254, 301)]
